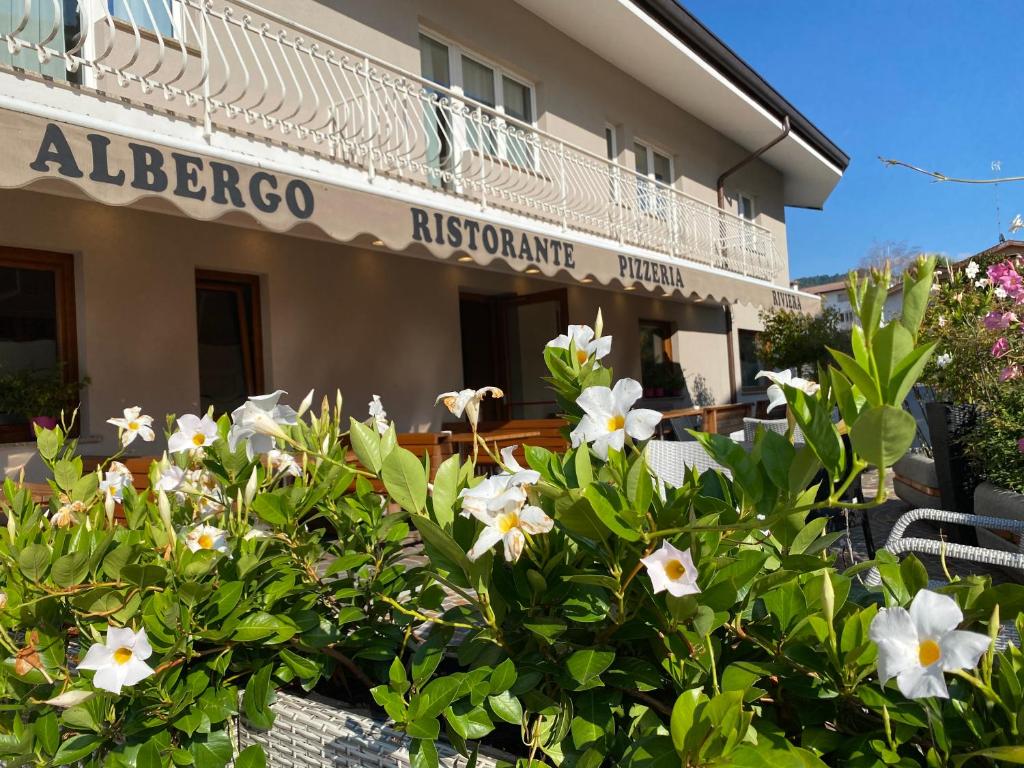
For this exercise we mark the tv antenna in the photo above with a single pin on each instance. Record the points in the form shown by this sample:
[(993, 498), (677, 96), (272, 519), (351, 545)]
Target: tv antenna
[(997, 167)]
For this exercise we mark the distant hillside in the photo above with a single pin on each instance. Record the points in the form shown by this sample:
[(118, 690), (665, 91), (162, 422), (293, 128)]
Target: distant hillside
[(812, 280)]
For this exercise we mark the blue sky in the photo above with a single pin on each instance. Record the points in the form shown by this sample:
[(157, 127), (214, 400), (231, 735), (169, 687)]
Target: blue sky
[(938, 84)]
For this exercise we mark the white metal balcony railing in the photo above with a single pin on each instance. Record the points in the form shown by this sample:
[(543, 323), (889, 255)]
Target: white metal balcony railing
[(238, 67)]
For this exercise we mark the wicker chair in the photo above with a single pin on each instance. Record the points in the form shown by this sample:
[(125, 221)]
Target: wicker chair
[(775, 425), (669, 460), (314, 732), (898, 543)]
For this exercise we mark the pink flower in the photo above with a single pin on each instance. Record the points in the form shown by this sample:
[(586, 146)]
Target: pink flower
[(1020, 445), (1006, 277), (997, 321), (1001, 348), (1009, 373)]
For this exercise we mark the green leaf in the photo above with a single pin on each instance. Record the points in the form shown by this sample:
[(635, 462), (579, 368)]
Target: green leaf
[(33, 561), (258, 695), (605, 503), (808, 535), (429, 654), (272, 508), (883, 434), (77, 747), (503, 677), (423, 754), (47, 443), (583, 467), (585, 665), (446, 491), (473, 723), (366, 445), (640, 485), (251, 757), (211, 750), (48, 731), (435, 697), (405, 480), (908, 372), (891, 345), (917, 283), (729, 453), (1013, 755), (424, 728), (777, 455), (441, 543), (506, 707), (682, 717), (858, 376), (263, 626), (70, 570), (66, 473)]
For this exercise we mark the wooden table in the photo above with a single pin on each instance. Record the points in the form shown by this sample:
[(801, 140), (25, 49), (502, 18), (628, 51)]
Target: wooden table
[(467, 438)]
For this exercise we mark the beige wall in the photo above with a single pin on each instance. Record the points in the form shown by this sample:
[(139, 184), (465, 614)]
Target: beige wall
[(577, 92), (366, 321)]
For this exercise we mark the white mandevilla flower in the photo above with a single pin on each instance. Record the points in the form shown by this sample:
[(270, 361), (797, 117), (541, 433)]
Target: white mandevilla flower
[(608, 417), (508, 519), (68, 514), (943, 360), (918, 645), (942, 321), (467, 402), (207, 537), (172, 478), (133, 425), (114, 482), (982, 283), (514, 473), (672, 570), (378, 415), (779, 379), (193, 432), (281, 463), (258, 421), (972, 270), (1000, 292), (582, 338), (1017, 224), (120, 661)]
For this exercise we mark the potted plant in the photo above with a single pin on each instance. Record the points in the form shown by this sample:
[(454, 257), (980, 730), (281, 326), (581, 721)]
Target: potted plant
[(46, 393), (674, 381)]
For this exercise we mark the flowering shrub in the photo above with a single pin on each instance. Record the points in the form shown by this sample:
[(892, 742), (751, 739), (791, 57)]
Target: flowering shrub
[(132, 620), (976, 318), (573, 610)]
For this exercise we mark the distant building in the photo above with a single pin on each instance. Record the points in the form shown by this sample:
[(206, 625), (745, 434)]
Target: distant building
[(834, 295)]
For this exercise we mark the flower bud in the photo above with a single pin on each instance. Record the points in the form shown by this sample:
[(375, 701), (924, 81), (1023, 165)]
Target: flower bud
[(598, 324), (304, 405), (3, 601), (250, 487), (109, 504)]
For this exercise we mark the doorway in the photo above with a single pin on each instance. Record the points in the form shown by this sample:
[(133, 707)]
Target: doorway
[(503, 340)]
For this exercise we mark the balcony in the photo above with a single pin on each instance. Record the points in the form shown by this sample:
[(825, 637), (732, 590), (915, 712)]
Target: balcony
[(236, 68)]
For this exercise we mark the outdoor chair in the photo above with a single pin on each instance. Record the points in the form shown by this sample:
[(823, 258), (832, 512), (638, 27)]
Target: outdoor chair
[(775, 425), (669, 460), (898, 544)]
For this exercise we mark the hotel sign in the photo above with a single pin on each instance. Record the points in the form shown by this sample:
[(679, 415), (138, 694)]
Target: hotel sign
[(112, 169)]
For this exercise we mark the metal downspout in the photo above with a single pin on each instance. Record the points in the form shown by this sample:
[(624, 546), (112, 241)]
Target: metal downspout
[(730, 348)]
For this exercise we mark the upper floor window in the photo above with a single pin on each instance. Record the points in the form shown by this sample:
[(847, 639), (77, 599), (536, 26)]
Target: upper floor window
[(448, 65), (153, 15), (656, 167)]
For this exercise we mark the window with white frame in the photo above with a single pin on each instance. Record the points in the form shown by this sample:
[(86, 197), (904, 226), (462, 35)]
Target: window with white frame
[(465, 72), (154, 15), (654, 166)]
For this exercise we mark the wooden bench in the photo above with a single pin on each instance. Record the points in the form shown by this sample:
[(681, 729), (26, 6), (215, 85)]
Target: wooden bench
[(543, 433), (725, 419)]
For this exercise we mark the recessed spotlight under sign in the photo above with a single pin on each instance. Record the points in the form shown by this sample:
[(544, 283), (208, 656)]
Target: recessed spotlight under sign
[(465, 258), (533, 271), (377, 243)]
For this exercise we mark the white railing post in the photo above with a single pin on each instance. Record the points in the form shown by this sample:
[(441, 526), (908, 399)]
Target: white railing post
[(368, 130), (483, 155)]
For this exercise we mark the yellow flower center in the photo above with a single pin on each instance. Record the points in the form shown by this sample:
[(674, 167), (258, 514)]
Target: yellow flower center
[(198, 439), (123, 655), (675, 569), (205, 541), (928, 653), (616, 422), (581, 356), (133, 426), (508, 522)]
